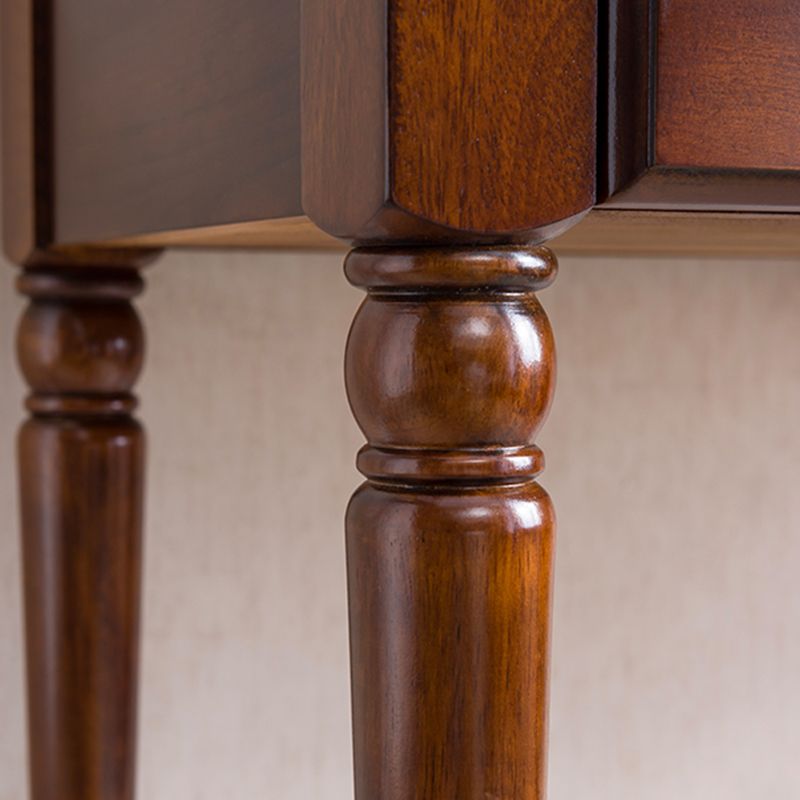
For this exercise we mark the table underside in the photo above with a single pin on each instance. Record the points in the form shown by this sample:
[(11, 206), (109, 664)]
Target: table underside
[(187, 124)]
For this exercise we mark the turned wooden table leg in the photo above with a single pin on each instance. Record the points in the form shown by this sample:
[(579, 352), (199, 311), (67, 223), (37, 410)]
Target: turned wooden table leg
[(449, 372), (81, 458), (433, 134)]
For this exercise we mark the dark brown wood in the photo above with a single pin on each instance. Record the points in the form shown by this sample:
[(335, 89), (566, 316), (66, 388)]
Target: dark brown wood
[(81, 459), (602, 231), (703, 106), (27, 128), (179, 123), (163, 116), (728, 85), (420, 123), (624, 93), (199, 119), (423, 121), (679, 188), (464, 124), (449, 543), (28, 157)]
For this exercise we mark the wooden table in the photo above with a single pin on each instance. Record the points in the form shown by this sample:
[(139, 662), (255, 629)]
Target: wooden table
[(446, 141)]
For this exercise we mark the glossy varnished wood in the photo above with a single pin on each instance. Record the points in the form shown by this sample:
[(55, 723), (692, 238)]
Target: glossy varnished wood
[(200, 114), (449, 372), (169, 115), (602, 231), (25, 72), (703, 106), (625, 92), (422, 121), (81, 459), (449, 626), (28, 153), (436, 133), (418, 122), (727, 93), (201, 105)]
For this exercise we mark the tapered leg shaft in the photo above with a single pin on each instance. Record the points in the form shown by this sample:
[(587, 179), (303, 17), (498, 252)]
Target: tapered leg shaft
[(81, 458), (449, 543)]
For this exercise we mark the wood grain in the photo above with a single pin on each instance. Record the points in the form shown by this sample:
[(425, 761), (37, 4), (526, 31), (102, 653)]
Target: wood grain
[(728, 87), (343, 113), (703, 107), (449, 368), (492, 110), (180, 123), (425, 121), (449, 628), (81, 460)]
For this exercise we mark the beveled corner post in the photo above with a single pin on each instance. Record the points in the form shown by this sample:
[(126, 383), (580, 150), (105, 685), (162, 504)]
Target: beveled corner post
[(447, 140), (81, 453)]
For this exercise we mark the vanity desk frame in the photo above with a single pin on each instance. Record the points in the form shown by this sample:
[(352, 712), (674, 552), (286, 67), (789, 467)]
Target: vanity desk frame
[(445, 142)]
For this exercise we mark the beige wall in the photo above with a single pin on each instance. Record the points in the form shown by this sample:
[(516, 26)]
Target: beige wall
[(674, 459)]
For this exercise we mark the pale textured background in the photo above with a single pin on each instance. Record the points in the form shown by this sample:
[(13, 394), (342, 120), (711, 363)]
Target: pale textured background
[(674, 459)]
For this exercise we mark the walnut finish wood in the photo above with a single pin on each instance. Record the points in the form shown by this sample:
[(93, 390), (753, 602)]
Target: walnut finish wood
[(437, 132), (200, 114), (728, 85), (127, 118), (168, 122), (424, 121), (703, 107), (420, 122), (28, 144), (602, 231), (81, 458), (449, 372), (26, 121), (625, 92)]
